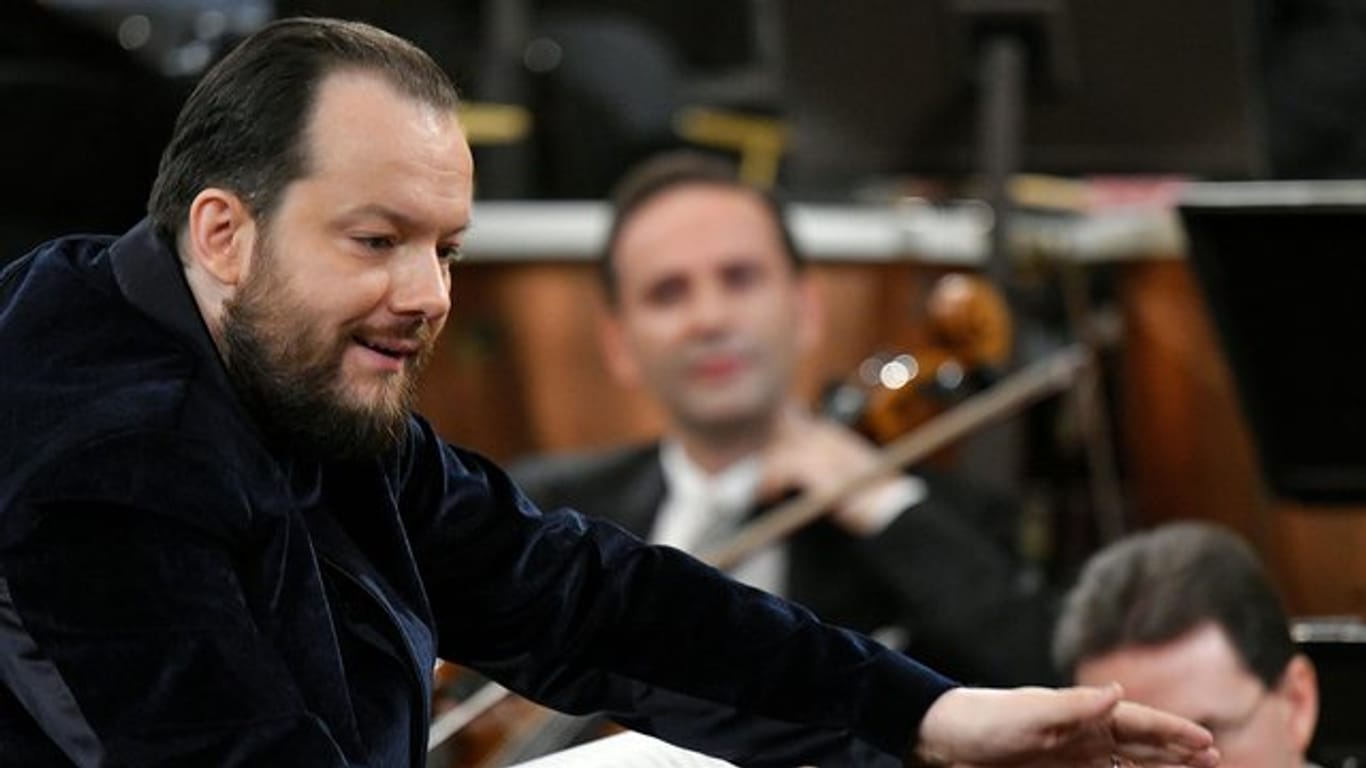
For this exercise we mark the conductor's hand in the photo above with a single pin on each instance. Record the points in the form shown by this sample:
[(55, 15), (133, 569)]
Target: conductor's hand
[(1068, 728)]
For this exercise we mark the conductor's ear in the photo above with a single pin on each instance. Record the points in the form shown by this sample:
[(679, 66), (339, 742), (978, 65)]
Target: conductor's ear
[(220, 235)]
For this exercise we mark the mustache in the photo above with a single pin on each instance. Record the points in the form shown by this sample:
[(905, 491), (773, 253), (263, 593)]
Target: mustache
[(419, 329), (419, 334)]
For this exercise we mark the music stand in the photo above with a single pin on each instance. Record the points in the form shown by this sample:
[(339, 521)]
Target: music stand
[(1282, 271)]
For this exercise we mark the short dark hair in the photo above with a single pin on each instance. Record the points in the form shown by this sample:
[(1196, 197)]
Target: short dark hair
[(243, 126), (673, 170), (1153, 587)]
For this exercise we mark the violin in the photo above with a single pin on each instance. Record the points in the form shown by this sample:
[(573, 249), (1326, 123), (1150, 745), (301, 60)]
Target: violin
[(893, 392)]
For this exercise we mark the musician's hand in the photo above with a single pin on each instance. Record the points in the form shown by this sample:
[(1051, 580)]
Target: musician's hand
[(1067, 728), (815, 455)]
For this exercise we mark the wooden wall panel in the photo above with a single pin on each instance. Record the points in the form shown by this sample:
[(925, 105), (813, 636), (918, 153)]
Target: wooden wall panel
[(1189, 452), (1185, 444)]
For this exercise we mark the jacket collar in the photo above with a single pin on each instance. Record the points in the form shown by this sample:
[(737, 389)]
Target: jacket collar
[(151, 278), (636, 495)]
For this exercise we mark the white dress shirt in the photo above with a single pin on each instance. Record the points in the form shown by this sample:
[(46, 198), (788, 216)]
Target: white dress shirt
[(702, 510)]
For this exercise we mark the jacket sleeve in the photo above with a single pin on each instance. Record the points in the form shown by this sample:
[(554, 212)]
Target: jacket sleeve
[(579, 615), (127, 630)]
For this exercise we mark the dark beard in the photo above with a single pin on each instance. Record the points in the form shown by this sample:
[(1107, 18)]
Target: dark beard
[(288, 383)]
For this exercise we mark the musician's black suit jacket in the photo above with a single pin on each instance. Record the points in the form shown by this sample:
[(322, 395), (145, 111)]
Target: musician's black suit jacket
[(942, 571)]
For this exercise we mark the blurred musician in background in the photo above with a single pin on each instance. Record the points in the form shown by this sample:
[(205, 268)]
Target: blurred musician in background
[(1186, 619), (710, 309), (226, 540)]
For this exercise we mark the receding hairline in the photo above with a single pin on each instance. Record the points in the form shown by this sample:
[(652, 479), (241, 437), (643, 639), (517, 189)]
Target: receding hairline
[(364, 75), (360, 74)]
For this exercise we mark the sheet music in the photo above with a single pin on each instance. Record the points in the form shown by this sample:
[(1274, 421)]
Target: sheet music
[(627, 750)]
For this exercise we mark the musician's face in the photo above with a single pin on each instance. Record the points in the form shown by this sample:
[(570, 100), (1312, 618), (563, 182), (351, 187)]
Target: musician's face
[(349, 280), (1199, 676), (711, 315)]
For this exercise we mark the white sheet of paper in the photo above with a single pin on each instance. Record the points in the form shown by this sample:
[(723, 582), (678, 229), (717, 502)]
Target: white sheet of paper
[(627, 750)]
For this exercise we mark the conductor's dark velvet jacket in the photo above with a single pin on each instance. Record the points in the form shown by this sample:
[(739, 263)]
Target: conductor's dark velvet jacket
[(175, 588)]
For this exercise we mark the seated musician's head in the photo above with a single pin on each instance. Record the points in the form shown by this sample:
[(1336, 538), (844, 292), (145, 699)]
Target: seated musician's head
[(316, 188), (1186, 619), (709, 306)]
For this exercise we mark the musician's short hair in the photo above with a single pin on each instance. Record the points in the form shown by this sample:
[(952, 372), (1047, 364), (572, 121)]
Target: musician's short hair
[(674, 170), (1154, 587), (243, 128)]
